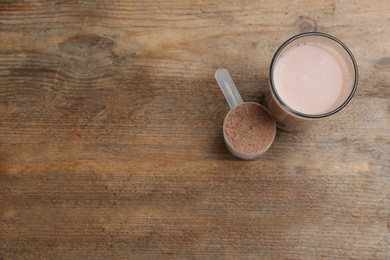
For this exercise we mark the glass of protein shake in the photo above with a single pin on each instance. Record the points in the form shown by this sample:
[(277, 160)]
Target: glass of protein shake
[(312, 76)]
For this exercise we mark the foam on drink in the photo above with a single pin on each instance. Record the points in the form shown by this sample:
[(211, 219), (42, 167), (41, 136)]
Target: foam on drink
[(310, 78)]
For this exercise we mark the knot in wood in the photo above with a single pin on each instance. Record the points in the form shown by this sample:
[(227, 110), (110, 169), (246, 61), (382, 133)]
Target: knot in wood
[(305, 24)]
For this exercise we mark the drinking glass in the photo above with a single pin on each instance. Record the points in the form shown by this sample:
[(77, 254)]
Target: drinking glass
[(286, 117)]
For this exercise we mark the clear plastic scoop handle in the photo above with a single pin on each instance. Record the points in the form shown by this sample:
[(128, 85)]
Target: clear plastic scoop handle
[(228, 88)]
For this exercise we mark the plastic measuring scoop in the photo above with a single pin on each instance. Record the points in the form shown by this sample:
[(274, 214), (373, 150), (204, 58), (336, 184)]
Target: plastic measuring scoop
[(228, 88), (234, 100)]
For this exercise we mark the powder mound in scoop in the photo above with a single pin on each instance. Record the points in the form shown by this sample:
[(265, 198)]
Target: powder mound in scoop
[(249, 128)]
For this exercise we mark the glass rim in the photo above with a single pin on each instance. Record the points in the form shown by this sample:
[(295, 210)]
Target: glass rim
[(281, 48)]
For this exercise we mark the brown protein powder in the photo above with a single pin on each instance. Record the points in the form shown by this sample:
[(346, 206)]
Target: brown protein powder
[(250, 128)]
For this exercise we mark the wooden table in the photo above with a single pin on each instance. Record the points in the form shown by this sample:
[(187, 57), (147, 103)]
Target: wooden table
[(111, 140)]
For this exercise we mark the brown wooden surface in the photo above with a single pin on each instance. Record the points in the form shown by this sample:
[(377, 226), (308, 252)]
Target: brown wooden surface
[(111, 140)]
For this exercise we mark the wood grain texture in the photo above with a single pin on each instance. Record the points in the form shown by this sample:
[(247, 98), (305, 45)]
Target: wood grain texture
[(111, 141)]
